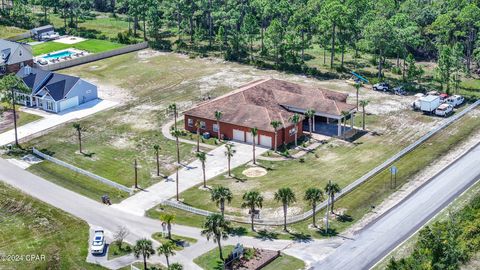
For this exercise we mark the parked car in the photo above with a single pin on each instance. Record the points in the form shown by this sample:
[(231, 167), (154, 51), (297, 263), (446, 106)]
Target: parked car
[(399, 90), (443, 97), (383, 86), (98, 243), (455, 100), (444, 110), (433, 93)]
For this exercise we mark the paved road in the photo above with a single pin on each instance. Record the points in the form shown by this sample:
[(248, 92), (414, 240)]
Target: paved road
[(108, 218), (376, 240), (189, 176)]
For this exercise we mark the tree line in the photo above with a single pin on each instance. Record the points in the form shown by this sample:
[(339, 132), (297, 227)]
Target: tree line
[(280, 32)]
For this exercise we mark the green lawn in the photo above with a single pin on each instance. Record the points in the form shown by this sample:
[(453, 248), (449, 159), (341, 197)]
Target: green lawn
[(77, 182), (286, 262), (114, 251), (102, 24), (29, 226), (211, 260), (90, 45), (10, 31), (176, 240)]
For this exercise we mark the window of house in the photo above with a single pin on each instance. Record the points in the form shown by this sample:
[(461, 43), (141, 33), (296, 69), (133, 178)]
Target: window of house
[(215, 128), (190, 122), (202, 125), (292, 131)]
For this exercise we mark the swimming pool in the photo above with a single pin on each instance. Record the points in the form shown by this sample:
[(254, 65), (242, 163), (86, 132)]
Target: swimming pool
[(57, 55)]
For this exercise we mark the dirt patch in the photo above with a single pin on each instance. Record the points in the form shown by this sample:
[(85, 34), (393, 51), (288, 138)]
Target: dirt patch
[(148, 53), (254, 172), (110, 91), (278, 212), (121, 143)]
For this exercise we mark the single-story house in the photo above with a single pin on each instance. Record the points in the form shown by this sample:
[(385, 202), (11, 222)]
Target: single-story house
[(14, 56), (45, 32), (259, 103), (54, 92)]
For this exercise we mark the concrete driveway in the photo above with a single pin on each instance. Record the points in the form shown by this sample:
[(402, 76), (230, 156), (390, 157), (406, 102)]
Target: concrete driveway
[(51, 120), (189, 176)]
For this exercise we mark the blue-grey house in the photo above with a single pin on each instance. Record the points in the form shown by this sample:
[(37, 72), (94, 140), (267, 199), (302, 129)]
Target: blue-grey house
[(54, 92)]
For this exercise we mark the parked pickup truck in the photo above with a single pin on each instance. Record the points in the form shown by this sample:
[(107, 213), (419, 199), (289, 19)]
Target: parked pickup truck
[(385, 87), (444, 110), (98, 243), (455, 100)]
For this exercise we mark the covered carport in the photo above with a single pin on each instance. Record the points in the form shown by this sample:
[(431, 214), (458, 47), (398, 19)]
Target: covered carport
[(330, 125)]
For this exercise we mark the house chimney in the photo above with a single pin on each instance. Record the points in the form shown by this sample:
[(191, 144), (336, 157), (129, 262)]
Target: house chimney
[(27, 70)]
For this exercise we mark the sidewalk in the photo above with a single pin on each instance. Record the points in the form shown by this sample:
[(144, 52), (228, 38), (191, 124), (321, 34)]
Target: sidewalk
[(52, 120), (189, 176)]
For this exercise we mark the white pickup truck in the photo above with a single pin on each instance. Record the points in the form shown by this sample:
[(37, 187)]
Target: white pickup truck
[(455, 100), (98, 243), (444, 110)]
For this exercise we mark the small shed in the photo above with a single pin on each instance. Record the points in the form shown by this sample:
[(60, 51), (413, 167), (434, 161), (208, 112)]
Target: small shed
[(44, 32)]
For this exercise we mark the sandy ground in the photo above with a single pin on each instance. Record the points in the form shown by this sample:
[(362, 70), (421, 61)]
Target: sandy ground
[(418, 180)]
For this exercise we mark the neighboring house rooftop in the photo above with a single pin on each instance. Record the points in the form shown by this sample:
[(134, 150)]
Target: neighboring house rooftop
[(43, 29), (260, 102), (34, 78), (57, 85), (8, 51)]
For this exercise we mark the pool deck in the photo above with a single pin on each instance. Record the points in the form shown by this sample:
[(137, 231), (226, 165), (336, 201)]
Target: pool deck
[(60, 59)]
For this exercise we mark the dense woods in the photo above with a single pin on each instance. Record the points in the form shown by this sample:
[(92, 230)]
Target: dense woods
[(279, 32)]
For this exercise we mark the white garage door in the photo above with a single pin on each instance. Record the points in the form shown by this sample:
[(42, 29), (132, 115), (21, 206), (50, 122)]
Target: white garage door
[(68, 103), (266, 141), (249, 137), (238, 135)]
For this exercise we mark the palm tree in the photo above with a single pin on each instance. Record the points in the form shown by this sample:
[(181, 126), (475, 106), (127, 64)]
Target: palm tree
[(143, 248), (197, 125), (344, 122), (9, 84), (252, 200), (286, 196), (363, 103), (313, 196), (173, 108), (176, 133), (216, 227), (310, 114), (294, 120), (167, 249), (357, 87), (275, 124), (254, 132), (79, 129), (220, 195), (156, 147), (203, 157), (218, 116), (331, 189), (229, 153), (169, 219)]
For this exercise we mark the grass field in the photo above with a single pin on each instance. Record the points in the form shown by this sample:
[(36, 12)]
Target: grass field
[(10, 31), (102, 24), (177, 240), (355, 204), (23, 119), (90, 45), (29, 226), (114, 251), (77, 182)]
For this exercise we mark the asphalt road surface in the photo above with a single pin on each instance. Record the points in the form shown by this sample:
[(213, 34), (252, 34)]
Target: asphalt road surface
[(378, 239)]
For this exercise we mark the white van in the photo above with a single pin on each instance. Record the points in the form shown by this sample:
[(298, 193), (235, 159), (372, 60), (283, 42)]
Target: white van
[(455, 100)]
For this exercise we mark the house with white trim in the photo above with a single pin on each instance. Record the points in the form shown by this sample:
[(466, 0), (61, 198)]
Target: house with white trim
[(53, 92)]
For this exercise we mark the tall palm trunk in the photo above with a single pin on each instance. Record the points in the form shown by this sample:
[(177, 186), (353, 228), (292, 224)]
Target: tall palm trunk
[(158, 164), (168, 262), (144, 261), (178, 150), (80, 141), (220, 247), (314, 208), (14, 117), (252, 215), (204, 177), (363, 116), (222, 207), (176, 182), (198, 139), (275, 140), (229, 171), (254, 161), (169, 229), (218, 132), (333, 202), (285, 217)]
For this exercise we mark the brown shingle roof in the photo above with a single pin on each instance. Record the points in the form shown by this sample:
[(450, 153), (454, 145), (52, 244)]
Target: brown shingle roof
[(258, 103)]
